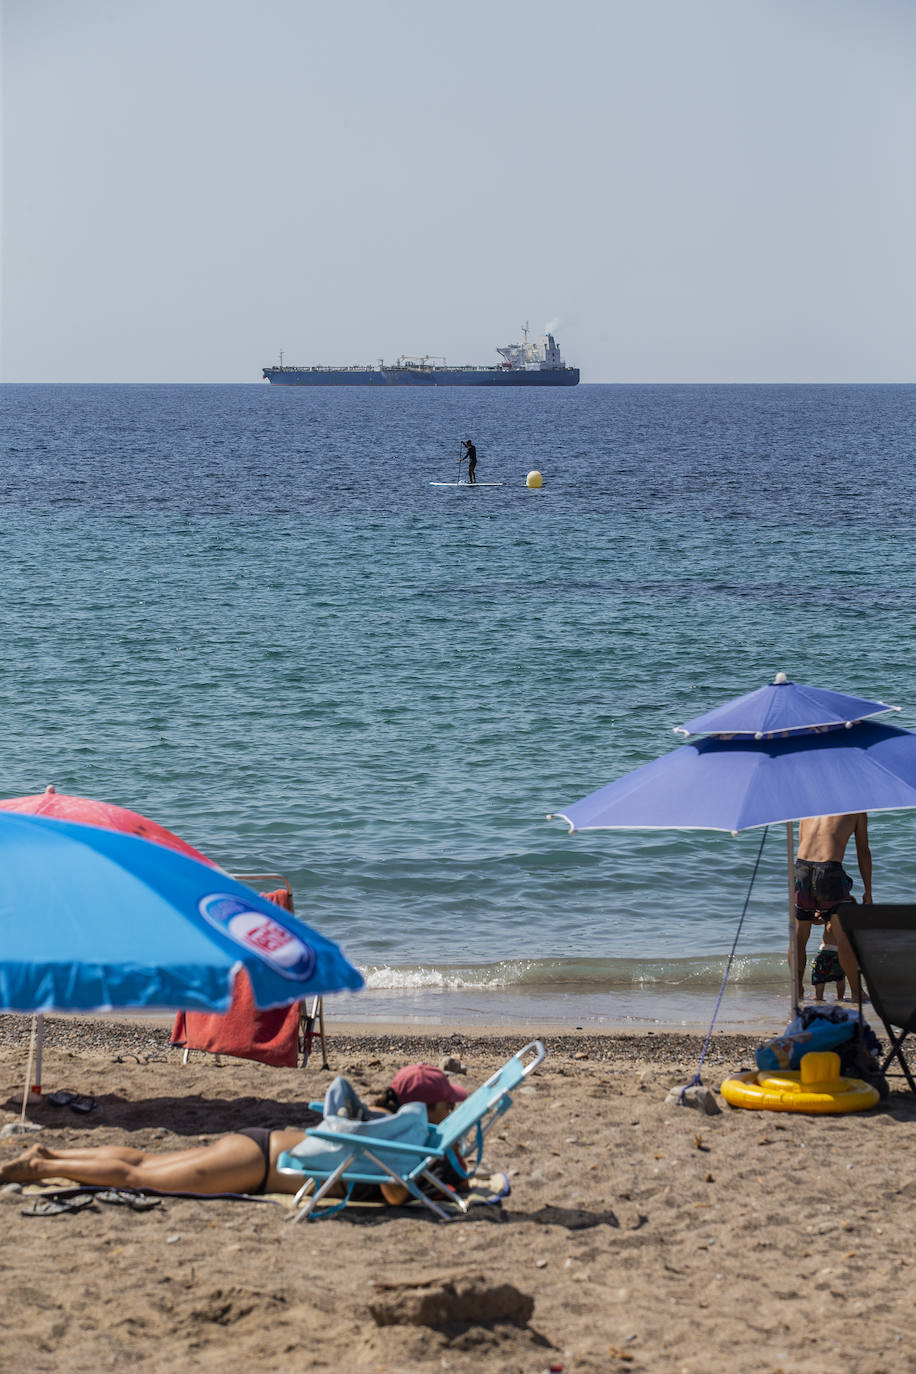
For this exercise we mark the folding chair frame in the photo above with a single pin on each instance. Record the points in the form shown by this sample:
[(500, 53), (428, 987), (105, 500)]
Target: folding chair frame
[(476, 1114), (883, 916)]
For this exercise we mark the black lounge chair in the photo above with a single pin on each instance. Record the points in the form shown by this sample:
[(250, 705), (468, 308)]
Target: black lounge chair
[(883, 939)]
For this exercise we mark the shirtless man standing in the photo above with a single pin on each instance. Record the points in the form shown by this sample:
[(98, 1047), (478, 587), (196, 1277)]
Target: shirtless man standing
[(821, 884)]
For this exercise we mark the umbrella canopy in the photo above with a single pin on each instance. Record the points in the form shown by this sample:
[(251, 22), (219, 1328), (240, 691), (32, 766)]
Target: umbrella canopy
[(95, 920), (783, 706), (86, 811), (742, 776), (734, 784)]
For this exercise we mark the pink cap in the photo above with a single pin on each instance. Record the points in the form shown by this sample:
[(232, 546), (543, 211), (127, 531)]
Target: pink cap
[(423, 1083)]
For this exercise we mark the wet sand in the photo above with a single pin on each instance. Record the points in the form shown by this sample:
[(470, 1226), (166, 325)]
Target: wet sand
[(667, 1007), (638, 1236)]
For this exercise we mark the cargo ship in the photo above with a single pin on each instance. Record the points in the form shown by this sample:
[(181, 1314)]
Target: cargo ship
[(523, 364)]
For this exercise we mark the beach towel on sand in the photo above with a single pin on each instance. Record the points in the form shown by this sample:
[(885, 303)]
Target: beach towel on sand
[(244, 1031)]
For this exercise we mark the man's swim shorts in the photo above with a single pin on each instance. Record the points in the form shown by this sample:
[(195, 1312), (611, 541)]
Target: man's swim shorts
[(819, 887)]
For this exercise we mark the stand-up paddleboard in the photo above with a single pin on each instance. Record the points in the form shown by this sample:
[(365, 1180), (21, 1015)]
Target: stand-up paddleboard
[(467, 484)]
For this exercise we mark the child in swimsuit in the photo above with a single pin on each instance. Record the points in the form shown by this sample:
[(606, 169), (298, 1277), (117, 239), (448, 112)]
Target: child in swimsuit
[(827, 967)]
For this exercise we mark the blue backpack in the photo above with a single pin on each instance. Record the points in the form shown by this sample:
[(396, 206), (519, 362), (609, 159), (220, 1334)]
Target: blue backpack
[(820, 1028)]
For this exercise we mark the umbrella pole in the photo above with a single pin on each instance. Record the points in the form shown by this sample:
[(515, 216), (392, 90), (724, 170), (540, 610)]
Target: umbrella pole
[(324, 1053), (793, 941), (33, 1037), (39, 1023)]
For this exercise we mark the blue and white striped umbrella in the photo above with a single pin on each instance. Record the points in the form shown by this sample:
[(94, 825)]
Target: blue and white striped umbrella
[(95, 920)]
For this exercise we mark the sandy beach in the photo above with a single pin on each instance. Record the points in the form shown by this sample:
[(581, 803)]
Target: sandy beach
[(639, 1236)]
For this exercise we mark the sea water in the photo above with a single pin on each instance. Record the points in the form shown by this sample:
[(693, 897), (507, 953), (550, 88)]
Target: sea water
[(243, 611)]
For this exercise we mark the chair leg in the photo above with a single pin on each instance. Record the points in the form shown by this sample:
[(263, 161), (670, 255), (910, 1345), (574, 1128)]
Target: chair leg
[(448, 1193), (319, 1193), (897, 1053), (411, 1186), (425, 1199), (324, 1053), (307, 1032), (309, 1183)]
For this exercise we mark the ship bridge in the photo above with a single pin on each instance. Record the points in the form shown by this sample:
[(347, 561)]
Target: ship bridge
[(532, 356)]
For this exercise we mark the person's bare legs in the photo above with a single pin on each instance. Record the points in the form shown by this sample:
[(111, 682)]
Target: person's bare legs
[(231, 1164), (846, 957), (125, 1153), (802, 934)]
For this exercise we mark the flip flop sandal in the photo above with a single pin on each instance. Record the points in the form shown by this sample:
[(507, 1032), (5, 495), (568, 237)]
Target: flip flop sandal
[(122, 1197), (75, 1101), (53, 1206)]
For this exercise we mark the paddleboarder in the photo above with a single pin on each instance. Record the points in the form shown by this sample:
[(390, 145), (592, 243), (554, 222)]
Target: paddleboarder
[(470, 453)]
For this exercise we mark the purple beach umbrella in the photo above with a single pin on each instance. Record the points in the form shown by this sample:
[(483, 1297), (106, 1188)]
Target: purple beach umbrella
[(783, 707), (742, 776)]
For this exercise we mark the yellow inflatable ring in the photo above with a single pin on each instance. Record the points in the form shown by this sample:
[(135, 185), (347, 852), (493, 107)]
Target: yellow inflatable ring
[(815, 1087)]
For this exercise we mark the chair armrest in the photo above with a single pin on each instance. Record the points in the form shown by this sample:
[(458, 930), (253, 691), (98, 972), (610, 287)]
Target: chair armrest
[(374, 1142), (291, 1165)]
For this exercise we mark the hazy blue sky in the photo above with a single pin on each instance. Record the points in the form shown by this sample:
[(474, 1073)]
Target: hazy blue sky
[(693, 190)]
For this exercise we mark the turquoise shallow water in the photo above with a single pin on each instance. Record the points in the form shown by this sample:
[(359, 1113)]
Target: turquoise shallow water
[(243, 611)]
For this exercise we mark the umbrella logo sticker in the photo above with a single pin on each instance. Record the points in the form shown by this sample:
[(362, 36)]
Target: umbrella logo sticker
[(279, 946)]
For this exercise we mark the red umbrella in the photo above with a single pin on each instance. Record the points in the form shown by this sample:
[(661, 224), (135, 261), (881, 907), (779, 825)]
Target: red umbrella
[(87, 811)]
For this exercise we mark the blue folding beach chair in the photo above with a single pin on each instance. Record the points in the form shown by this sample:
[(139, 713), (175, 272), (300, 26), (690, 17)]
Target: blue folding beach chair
[(367, 1152)]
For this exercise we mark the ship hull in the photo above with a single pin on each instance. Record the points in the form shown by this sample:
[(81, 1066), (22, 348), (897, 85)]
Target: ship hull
[(395, 376)]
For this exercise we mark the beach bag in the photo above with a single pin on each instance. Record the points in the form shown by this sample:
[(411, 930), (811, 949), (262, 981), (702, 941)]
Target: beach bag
[(815, 1029), (342, 1100)]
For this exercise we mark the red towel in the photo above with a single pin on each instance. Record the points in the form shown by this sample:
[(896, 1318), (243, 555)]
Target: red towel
[(272, 1037)]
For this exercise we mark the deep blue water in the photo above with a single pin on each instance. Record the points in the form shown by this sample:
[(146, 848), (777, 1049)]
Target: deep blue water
[(243, 611)]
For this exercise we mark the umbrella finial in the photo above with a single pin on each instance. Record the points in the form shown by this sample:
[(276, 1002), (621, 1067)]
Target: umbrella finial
[(780, 680), (49, 789)]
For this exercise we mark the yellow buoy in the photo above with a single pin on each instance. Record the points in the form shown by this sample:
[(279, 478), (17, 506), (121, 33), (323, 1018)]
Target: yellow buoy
[(816, 1087), (534, 479)]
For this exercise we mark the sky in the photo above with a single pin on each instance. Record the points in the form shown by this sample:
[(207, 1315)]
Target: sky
[(688, 190)]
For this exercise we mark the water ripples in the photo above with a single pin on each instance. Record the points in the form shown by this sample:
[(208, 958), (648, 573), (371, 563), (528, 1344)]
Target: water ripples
[(245, 613)]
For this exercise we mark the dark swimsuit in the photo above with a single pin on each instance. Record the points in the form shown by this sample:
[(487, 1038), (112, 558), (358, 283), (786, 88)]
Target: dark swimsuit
[(261, 1137), (819, 887)]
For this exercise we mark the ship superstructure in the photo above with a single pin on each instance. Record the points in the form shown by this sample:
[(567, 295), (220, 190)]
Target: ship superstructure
[(544, 356)]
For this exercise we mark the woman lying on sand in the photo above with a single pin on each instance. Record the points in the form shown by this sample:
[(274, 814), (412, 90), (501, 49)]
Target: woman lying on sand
[(244, 1161)]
